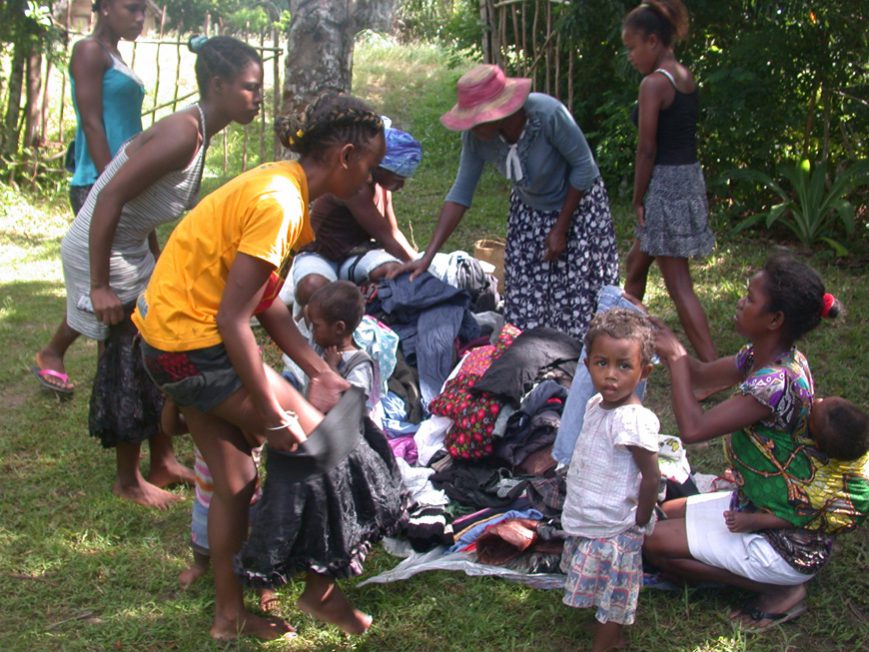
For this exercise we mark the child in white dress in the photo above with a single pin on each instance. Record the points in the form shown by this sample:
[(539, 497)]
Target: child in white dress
[(613, 478)]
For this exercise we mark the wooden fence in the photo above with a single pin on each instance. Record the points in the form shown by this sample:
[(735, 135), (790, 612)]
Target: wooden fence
[(523, 36), (166, 67)]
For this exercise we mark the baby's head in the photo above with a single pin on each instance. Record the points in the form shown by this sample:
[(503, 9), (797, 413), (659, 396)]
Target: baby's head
[(619, 347), (840, 428), (334, 311)]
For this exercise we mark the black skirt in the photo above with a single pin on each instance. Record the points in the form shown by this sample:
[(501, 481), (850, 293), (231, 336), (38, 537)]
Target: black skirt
[(324, 506), (125, 404)]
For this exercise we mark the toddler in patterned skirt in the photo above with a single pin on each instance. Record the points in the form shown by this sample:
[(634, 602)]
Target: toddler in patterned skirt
[(613, 477)]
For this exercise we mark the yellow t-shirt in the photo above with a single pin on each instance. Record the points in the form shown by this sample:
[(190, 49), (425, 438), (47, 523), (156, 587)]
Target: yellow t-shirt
[(262, 213)]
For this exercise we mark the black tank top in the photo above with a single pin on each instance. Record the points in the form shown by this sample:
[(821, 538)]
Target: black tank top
[(677, 127)]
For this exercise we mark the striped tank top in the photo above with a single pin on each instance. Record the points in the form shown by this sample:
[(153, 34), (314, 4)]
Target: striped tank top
[(131, 261)]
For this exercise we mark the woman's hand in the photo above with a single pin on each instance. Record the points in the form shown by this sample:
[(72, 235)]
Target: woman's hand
[(667, 345), (325, 390), (107, 306), (332, 356), (640, 210), (415, 267), (556, 244), (287, 438)]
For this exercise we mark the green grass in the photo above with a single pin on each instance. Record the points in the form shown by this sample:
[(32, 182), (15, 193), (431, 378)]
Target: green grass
[(81, 570)]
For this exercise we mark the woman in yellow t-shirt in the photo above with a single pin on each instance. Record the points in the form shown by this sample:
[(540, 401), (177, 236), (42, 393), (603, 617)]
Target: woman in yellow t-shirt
[(225, 262)]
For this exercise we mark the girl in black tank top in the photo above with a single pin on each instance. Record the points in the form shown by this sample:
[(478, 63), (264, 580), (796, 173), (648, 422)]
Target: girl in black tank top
[(669, 196)]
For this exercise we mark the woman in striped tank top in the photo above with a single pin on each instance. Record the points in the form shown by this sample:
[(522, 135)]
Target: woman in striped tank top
[(111, 248)]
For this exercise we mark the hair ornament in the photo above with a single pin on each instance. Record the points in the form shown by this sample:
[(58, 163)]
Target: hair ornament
[(829, 302), (196, 43)]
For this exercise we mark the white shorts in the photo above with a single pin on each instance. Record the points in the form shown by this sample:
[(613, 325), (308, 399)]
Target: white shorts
[(353, 268), (748, 555)]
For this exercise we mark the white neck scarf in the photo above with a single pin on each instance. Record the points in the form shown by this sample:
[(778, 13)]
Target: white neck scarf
[(513, 165)]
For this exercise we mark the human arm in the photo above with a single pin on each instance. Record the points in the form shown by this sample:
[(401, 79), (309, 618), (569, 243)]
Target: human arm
[(87, 67), (754, 521), (154, 244), (450, 216), (716, 374), (167, 146), (458, 200), (245, 284), (556, 240), (695, 424), (647, 463), (653, 91), (383, 227), (326, 385)]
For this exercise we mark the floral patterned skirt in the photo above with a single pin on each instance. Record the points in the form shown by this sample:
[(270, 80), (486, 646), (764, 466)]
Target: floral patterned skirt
[(561, 294)]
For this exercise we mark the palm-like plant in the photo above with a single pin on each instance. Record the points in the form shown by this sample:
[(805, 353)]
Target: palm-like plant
[(810, 207)]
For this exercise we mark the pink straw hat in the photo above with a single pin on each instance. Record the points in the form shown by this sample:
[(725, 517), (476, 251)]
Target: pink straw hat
[(485, 94)]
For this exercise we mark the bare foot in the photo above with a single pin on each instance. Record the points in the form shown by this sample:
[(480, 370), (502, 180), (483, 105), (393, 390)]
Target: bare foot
[(335, 608), (171, 473), (266, 629), (190, 575), (146, 494)]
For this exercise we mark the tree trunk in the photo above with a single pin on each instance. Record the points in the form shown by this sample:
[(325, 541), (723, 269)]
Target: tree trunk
[(320, 46), (32, 130), (13, 106), (319, 52)]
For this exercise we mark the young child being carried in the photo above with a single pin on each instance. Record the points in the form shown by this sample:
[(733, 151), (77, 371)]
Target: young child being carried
[(840, 430), (613, 478)]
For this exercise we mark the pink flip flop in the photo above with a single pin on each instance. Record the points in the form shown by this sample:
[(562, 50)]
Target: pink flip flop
[(42, 375)]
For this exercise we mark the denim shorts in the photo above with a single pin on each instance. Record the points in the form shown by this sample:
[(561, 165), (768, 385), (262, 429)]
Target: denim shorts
[(201, 378)]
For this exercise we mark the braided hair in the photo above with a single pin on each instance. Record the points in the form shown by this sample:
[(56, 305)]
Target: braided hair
[(220, 56), (332, 119), (666, 19)]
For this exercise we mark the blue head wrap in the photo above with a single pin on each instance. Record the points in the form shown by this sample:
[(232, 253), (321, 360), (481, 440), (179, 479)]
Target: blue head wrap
[(403, 153)]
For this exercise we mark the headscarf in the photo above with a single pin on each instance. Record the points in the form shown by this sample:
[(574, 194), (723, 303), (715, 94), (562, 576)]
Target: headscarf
[(403, 153)]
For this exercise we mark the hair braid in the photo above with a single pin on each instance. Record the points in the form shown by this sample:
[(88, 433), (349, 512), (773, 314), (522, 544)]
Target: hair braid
[(330, 120)]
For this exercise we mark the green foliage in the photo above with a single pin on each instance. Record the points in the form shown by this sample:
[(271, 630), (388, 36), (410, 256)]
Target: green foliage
[(778, 80), (235, 16), (809, 206)]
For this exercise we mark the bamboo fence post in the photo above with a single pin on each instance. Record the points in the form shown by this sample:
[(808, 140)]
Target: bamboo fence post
[(534, 43), (157, 82), (548, 49), (276, 87), (262, 112), (525, 57), (515, 16), (177, 72)]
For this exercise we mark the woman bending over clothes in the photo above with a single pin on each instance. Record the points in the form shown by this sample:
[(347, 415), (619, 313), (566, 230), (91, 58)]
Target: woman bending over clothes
[(358, 239), (226, 262), (111, 248), (561, 246)]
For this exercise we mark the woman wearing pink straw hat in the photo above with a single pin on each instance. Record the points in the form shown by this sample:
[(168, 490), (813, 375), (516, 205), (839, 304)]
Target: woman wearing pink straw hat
[(561, 247)]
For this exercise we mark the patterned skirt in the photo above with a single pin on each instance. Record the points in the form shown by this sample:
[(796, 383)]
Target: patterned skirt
[(125, 404), (561, 294), (676, 216), (604, 573)]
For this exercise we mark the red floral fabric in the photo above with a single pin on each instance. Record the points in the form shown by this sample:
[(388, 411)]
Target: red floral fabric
[(473, 413)]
